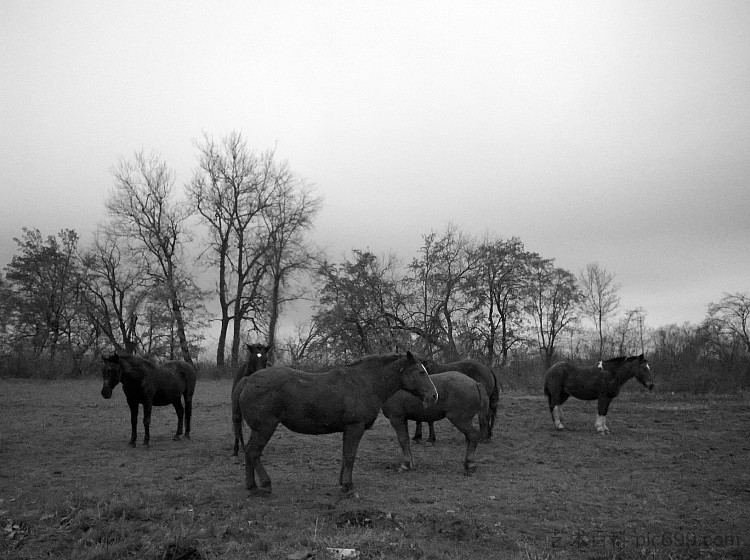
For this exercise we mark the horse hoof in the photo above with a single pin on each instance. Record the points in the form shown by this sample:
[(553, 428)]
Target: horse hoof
[(470, 468), (187, 436), (403, 467), (417, 440), (178, 437), (261, 491), (430, 443)]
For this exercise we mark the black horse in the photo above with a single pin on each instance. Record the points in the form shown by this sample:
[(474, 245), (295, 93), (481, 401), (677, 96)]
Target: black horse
[(480, 373), (257, 358), (602, 382), (146, 383)]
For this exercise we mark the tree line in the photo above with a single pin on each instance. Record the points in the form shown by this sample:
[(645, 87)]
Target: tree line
[(244, 220)]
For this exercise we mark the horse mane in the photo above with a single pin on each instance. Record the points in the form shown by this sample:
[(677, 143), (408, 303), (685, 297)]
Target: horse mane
[(386, 358), (138, 362), (621, 360)]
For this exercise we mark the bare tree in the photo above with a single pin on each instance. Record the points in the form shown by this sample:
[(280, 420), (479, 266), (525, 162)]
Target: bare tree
[(732, 314), (497, 293), (245, 199), (440, 280), (599, 298), (143, 211), (552, 298), (115, 290), (287, 218)]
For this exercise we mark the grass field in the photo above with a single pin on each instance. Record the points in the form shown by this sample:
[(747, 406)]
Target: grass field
[(671, 481)]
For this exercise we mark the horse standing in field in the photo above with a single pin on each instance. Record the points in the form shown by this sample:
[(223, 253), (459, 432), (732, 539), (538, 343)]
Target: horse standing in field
[(257, 359), (478, 372), (461, 398), (602, 383), (345, 399), (146, 383)]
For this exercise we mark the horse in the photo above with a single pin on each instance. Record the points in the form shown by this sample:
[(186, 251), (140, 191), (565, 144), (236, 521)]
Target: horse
[(479, 373), (346, 399), (146, 383), (461, 398), (257, 359), (602, 382)]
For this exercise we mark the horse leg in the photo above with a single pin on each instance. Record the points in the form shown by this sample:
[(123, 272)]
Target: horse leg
[(352, 435), (418, 432), (188, 414), (180, 410), (431, 437), (146, 422), (253, 465), (601, 417), (401, 427), (472, 435), (133, 421), (557, 410)]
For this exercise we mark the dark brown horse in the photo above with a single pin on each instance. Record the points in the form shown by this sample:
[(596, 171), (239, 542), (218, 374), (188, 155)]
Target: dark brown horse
[(478, 372), (461, 398), (601, 382), (146, 383), (346, 399), (257, 358)]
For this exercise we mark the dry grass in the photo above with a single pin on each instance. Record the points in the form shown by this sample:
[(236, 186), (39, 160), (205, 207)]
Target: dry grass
[(670, 482)]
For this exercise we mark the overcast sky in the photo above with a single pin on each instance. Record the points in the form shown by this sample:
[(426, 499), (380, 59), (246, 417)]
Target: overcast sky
[(609, 132)]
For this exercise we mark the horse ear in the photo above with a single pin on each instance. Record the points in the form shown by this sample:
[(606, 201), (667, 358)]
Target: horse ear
[(410, 356), (641, 357)]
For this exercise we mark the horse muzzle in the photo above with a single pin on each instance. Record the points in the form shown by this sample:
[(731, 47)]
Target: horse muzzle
[(650, 386), (106, 392), (429, 400)]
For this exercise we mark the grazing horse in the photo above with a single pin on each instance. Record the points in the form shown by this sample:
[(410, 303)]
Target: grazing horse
[(146, 383), (602, 382), (345, 399), (257, 359), (461, 398), (478, 372)]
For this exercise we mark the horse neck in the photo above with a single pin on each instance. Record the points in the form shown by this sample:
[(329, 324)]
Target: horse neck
[(385, 382), (624, 373), (132, 373)]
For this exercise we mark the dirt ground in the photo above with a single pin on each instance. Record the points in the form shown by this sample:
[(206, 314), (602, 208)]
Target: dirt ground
[(671, 481)]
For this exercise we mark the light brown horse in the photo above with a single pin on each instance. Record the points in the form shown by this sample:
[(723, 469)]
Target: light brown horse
[(346, 399), (602, 383), (461, 398), (149, 384), (478, 372)]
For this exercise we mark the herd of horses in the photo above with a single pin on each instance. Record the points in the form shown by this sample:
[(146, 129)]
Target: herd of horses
[(349, 398)]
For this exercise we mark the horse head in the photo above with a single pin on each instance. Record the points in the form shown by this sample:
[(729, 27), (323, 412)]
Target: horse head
[(416, 380), (643, 374), (110, 373), (257, 356)]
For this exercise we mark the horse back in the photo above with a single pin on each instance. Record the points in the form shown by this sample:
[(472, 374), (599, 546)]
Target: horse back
[(186, 373), (457, 392), (581, 382), (310, 403)]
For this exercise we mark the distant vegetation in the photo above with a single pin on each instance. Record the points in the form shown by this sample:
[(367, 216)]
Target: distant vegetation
[(248, 218)]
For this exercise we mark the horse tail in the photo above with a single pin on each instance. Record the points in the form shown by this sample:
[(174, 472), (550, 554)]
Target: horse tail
[(549, 398), (494, 399), (485, 416)]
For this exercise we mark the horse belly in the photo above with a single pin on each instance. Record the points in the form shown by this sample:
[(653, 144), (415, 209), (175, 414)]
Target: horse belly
[(162, 398)]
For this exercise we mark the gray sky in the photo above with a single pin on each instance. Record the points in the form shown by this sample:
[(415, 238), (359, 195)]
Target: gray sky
[(615, 132)]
